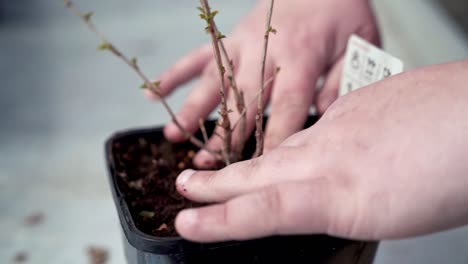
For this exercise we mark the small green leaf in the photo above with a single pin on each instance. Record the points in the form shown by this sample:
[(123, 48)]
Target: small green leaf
[(221, 36), (201, 9), (147, 214), (271, 30), (156, 85), (213, 14), (88, 16), (105, 46), (203, 16)]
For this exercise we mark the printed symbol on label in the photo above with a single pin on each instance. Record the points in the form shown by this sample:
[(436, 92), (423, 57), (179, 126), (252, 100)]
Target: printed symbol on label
[(386, 73), (371, 66), (365, 64), (355, 60)]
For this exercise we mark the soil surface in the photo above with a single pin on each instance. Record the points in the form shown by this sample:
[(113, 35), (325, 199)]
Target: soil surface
[(147, 166), (147, 169)]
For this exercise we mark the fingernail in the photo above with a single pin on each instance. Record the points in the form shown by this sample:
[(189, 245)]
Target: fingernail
[(189, 217), (184, 177)]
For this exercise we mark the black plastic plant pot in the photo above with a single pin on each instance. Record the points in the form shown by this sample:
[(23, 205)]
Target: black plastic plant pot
[(143, 248)]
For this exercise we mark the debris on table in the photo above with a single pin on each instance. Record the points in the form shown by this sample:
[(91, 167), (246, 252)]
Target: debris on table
[(20, 257), (97, 255), (34, 219)]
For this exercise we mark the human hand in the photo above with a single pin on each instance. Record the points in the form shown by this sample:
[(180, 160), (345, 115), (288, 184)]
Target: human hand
[(311, 40), (387, 161)]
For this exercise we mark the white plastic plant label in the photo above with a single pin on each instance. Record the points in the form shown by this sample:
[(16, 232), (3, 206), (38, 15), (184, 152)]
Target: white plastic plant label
[(365, 64)]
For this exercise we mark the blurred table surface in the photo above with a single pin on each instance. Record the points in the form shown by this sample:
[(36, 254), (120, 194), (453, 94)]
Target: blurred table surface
[(60, 99)]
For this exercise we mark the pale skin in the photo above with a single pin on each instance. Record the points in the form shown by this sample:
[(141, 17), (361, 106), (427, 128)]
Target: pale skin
[(385, 162), (311, 40)]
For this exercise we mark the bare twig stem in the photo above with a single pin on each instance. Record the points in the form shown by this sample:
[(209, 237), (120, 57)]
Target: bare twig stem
[(132, 64), (203, 130), (259, 117), (225, 122), (238, 95), (218, 135), (244, 113), (231, 72)]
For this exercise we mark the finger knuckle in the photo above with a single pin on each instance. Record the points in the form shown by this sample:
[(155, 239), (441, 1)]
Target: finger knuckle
[(271, 202), (345, 209), (345, 225), (225, 214), (304, 36), (277, 158)]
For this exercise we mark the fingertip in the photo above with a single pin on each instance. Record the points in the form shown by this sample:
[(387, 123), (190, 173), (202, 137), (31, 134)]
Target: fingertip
[(173, 133), (204, 160), (186, 222), (181, 181), (183, 178)]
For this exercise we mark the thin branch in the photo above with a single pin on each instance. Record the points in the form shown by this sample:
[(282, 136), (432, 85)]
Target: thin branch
[(244, 113), (218, 135), (225, 123), (259, 117), (238, 94), (230, 68), (153, 86), (203, 130)]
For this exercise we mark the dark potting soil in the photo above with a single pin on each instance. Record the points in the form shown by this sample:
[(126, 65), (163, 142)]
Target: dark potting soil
[(147, 166), (147, 170)]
